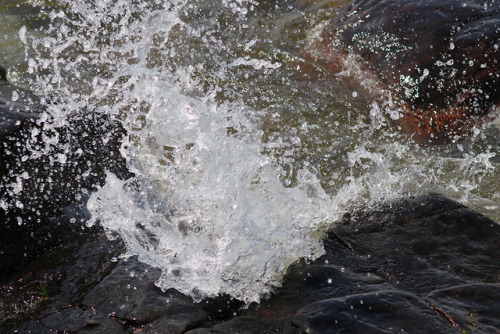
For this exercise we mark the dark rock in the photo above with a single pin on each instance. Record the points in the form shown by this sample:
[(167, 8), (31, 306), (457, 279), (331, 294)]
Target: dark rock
[(79, 321), (30, 327), (45, 166), (250, 325), (307, 283), (474, 307), (221, 308), (422, 265), (13, 114), (70, 320), (3, 74), (77, 267), (378, 312), (425, 243), (102, 325), (129, 293), (47, 172), (439, 58), (410, 247), (19, 244), (60, 277), (179, 323)]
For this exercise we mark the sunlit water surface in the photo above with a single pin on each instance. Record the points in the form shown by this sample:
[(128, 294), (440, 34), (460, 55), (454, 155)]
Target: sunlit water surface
[(243, 152)]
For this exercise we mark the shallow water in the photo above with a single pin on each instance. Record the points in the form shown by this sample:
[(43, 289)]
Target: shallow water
[(244, 152)]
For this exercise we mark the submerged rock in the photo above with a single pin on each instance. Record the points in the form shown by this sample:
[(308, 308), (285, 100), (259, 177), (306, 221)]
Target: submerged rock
[(417, 265), (438, 59)]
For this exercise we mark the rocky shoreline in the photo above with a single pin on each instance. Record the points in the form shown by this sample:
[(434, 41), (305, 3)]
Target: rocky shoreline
[(419, 265), (423, 264)]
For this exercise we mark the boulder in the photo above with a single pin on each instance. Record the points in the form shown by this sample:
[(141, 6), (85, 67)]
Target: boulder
[(437, 59), (475, 307), (47, 171), (412, 264), (418, 265), (379, 312)]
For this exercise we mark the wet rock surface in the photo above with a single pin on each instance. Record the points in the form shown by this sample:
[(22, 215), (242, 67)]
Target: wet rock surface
[(418, 265), (438, 57), (47, 171), (380, 312)]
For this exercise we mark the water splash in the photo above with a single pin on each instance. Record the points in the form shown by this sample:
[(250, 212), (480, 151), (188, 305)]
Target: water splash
[(208, 208), (242, 158)]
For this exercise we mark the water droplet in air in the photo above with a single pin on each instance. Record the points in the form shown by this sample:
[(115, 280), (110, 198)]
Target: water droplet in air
[(61, 158)]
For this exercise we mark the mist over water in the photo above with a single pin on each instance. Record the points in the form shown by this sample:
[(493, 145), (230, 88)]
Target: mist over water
[(243, 154)]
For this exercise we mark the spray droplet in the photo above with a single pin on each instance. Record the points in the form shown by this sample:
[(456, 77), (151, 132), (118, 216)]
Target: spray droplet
[(62, 158), (22, 34)]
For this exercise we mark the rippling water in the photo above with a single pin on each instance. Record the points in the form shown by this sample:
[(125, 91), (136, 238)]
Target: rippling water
[(244, 152)]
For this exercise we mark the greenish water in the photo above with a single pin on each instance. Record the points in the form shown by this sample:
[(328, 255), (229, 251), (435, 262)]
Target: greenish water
[(245, 152)]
